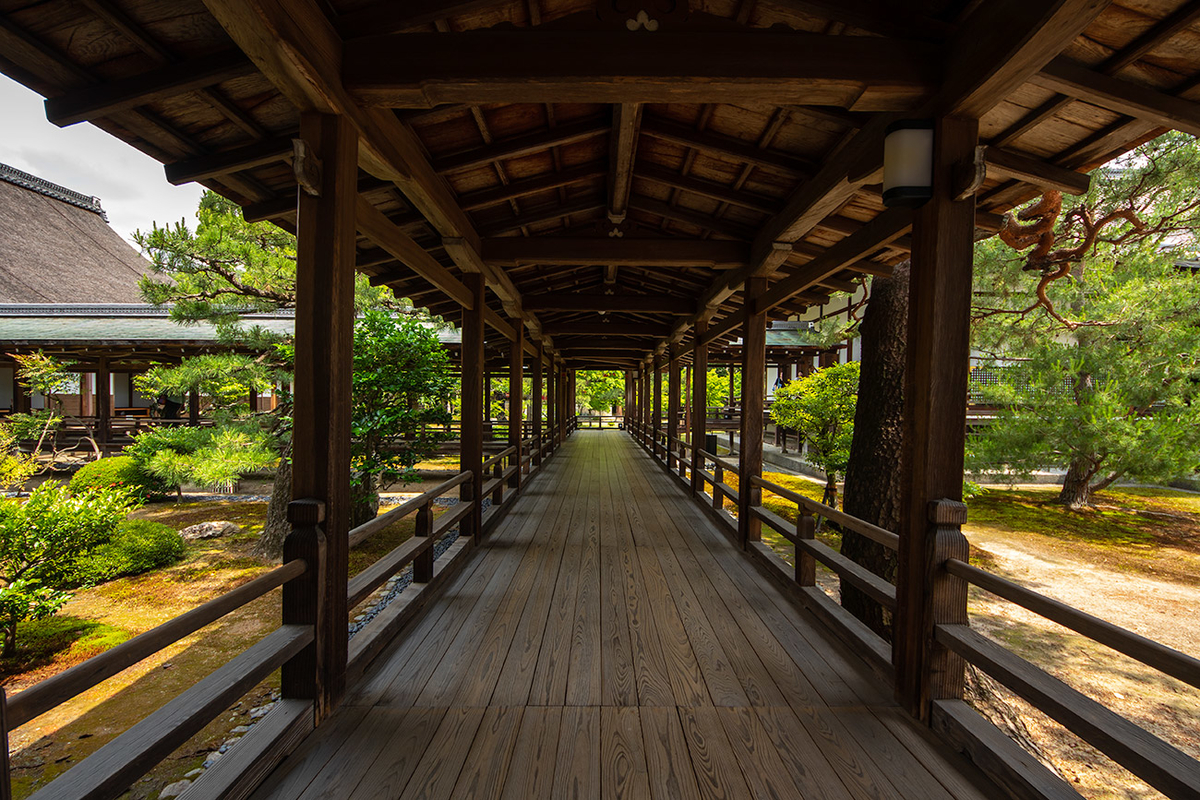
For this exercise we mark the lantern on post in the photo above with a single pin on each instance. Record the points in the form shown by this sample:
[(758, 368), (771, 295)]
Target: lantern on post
[(908, 163)]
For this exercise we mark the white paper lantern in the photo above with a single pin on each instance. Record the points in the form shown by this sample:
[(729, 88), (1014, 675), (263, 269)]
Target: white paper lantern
[(908, 162)]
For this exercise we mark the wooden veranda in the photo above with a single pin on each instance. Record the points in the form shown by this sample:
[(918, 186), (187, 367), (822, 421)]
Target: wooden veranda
[(622, 185)]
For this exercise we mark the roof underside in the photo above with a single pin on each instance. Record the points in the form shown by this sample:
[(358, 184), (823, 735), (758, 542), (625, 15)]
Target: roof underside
[(616, 176)]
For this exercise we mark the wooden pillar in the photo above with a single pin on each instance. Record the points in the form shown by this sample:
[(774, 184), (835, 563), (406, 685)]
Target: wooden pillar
[(536, 410), (551, 404), (673, 377), (658, 403), (935, 394), (193, 407), (754, 365), (87, 402), (103, 404), (470, 443), (321, 416), (22, 402), (731, 385), (687, 399), (805, 366), (699, 401), (785, 375), (253, 400), (516, 397)]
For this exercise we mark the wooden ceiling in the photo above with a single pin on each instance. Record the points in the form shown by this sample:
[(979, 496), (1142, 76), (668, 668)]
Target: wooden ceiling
[(616, 170)]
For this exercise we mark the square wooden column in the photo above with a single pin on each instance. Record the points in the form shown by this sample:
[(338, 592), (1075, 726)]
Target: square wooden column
[(321, 415), (699, 401), (935, 394), (536, 411), (104, 405), (516, 397), (470, 443), (754, 366), (658, 404), (673, 368)]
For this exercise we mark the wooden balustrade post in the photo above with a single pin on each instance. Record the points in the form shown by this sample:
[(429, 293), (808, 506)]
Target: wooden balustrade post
[(423, 564), (498, 492), (699, 403), (754, 366), (306, 602), (806, 565), (683, 448), (471, 439), (516, 397), (674, 369), (5, 766), (325, 236), (717, 495), (935, 394), (536, 412)]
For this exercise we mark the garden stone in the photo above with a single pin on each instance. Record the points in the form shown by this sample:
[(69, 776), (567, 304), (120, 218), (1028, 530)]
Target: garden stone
[(209, 530), (174, 789), (196, 773)]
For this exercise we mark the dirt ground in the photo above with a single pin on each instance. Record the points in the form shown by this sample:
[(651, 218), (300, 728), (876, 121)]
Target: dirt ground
[(1150, 586)]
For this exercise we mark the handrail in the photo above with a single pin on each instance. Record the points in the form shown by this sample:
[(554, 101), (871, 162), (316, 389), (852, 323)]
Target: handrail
[(872, 532), (1147, 651), (725, 464), (370, 527), (503, 454), (46, 694)]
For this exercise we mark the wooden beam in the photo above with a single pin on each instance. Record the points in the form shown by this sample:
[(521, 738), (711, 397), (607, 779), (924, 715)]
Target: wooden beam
[(728, 147), (635, 303), (1036, 172), (379, 229), (604, 329), (267, 151), (94, 102), (390, 17), (415, 70), (724, 227), (622, 151), (542, 214), (518, 146), (1142, 102), (565, 251), (888, 226), (515, 190), (709, 189), (285, 204), (601, 343)]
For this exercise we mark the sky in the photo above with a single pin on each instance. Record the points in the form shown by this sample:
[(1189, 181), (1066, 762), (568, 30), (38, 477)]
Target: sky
[(131, 186)]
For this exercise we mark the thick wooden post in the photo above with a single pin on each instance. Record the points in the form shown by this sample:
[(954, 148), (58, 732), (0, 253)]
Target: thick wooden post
[(516, 398), (699, 403), (305, 602), (785, 375), (470, 443), (673, 369), (658, 404), (104, 405), (805, 367), (935, 394), (324, 344), (252, 399), (193, 407), (754, 366), (536, 411)]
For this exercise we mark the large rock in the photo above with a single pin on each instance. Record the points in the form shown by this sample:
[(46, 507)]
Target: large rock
[(174, 789), (209, 530)]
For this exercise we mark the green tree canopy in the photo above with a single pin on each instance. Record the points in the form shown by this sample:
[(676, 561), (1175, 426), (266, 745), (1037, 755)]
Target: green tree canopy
[(1095, 331), (821, 408), (600, 390)]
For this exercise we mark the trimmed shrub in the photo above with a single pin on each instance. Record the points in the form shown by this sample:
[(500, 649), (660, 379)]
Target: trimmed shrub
[(137, 546), (119, 472)]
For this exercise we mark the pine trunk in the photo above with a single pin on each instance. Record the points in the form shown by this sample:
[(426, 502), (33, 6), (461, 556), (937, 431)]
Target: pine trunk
[(1077, 486), (872, 490), (277, 527)]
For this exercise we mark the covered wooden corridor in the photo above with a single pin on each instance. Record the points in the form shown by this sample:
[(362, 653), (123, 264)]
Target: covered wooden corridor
[(608, 641)]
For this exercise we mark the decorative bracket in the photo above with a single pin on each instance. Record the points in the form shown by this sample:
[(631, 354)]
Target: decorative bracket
[(307, 167), (969, 176)]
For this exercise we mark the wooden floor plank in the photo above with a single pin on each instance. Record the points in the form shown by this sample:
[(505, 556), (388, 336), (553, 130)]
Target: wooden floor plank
[(577, 771), (531, 775), (398, 757), (622, 756), (761, 767), (440, 764), (668, 764), (579, 652), (490, 756), (718, 775)]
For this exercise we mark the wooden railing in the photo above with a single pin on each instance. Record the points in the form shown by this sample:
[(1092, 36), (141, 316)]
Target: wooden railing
[(111, 770), (1159, 763)]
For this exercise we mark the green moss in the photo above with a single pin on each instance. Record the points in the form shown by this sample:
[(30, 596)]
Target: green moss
[(1034, 511), (60, 638)]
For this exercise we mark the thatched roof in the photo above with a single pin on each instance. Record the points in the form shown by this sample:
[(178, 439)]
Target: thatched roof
[(56, 246)]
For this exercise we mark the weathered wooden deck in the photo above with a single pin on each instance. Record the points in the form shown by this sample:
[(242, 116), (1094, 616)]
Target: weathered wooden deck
[(610, 642)]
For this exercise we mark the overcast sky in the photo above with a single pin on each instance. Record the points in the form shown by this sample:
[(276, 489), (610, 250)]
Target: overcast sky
[(130, 184)]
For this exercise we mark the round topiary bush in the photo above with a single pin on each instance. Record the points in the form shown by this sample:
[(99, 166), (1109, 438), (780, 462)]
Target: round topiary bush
[(137, 546), (119, 472)]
